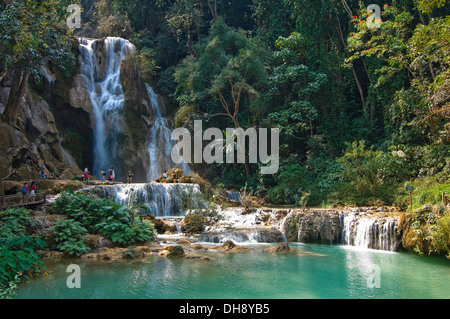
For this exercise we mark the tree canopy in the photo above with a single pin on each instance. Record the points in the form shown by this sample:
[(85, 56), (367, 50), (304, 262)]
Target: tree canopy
[(348, 91)]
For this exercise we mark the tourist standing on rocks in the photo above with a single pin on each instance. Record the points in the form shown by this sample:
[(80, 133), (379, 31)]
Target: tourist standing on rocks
[(112, 175), (25, 192), (33, 191), (174, 177), (42, 172), (130, 176), (103, 174), (86, 175)]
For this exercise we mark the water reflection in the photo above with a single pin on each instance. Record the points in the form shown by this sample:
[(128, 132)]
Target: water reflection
[(338, 272)]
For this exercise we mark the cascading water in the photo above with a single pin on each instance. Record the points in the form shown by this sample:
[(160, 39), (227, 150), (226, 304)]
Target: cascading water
[(100, 62), (160, 143), (365, 230), (369, 232), (102, 83), (234, 196), (160, 199)]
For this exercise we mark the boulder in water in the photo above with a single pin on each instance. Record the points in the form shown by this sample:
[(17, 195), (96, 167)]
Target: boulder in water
[(280, 248), (172, 251), (229, 246)]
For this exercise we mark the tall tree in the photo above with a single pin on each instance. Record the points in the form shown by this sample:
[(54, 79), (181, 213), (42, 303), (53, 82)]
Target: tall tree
[(293, 86), (224, 76), (411, 56), (33, 32)]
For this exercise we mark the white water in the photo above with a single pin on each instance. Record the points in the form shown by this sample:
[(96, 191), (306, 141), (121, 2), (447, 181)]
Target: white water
[(369, 232), (160, 143), (234, 196), (160, 199), (101, 73), (106, 95)]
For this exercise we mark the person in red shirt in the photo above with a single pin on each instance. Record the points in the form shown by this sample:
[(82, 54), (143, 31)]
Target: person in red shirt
[(33, 191)]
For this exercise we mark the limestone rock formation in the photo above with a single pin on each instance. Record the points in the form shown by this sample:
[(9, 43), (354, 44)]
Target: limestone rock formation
[(33, 142)]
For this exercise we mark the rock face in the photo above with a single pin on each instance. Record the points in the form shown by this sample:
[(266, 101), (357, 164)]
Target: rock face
[(33, 142), (314, 227)]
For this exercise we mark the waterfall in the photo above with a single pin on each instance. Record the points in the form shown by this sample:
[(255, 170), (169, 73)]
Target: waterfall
[(365, 230), (370, 232), (347, 230), (100, 62), (160, 143), (160, 199), (102, 81)]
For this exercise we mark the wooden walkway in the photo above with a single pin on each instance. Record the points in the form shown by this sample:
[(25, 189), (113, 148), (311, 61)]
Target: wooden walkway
[(13, 201)]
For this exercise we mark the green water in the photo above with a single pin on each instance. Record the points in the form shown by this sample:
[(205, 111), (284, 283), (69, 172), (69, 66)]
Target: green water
[(341, 273)]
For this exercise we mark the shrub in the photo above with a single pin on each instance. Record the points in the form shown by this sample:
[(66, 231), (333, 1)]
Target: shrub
[(193, 223), (103, 216), (295, 184), (364, 177), (430, 231), (18, 257), (426, 191), (69, 237), (196, 220)]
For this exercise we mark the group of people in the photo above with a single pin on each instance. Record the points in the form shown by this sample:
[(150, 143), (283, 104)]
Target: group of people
[(29, 191), (111, 175), (174, 177)]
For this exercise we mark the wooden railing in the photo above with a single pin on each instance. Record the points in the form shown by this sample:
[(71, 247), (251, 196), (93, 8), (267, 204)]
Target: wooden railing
[(11, 201), (445, 199)]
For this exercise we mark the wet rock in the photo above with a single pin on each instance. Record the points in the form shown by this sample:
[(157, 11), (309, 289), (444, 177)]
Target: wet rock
[(183, 242), (162, 226), (198, 247), (172, 251), (229, 246), (280, 248)]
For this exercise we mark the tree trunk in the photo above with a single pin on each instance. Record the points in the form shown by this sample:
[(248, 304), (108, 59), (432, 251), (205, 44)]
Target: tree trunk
[(355, 75), (361, 91), (17, 92), (213, 10)]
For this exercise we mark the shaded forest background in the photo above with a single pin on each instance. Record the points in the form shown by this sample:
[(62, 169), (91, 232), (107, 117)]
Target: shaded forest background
[(363, 111)]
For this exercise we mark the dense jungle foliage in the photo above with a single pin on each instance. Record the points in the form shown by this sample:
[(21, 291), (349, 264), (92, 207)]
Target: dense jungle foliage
[(362, 104)]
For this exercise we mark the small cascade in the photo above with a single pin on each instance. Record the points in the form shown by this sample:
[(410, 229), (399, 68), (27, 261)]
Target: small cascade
[(347, 229), (159, 198), (248, 236), (234, 196), (359, 229), (67, 157), (235, 224), (160, 143), (100, 243), (370, 232)]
